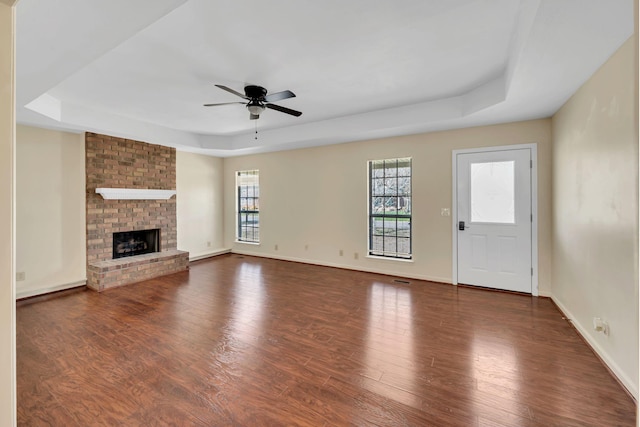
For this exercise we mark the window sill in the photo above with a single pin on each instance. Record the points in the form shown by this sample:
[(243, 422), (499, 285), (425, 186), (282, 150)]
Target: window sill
[(248, 243), (386, 258)]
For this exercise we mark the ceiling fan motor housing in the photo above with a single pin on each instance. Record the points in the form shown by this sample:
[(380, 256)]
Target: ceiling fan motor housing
[(255, 92)]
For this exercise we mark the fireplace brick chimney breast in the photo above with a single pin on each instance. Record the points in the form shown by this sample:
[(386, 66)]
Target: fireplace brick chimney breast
[(113, 162)]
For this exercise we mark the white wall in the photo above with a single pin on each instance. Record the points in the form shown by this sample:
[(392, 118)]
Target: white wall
[(317, 198), (199, 186), (50, 207), (595, 211), (7, 272)]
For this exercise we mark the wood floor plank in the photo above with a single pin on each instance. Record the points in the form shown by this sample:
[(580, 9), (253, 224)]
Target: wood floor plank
[(245, 341)]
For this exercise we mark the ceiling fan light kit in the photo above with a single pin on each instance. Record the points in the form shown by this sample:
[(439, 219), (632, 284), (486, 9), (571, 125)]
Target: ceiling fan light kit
[(255, 108), (259, 100)]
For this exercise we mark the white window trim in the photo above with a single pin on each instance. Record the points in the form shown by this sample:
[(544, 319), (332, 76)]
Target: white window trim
[(244, 242), (237, 203), (368, 201), (390, 258)]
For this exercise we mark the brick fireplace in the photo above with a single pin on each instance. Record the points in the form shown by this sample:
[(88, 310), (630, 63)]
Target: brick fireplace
[(123, 163)]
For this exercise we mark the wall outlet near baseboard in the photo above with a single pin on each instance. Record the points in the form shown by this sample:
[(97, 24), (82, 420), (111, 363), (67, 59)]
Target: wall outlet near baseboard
[(208, 244), (600, 325), (275, 247), (341, 252)]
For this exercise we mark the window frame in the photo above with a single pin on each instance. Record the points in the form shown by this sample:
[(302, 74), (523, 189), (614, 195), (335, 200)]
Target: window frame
[(243, 213), (373, 216)]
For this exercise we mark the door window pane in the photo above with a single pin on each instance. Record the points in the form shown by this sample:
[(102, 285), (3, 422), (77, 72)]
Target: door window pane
[(492, 192)]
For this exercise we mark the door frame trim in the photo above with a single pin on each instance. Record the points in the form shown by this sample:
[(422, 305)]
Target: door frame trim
[(533, 147)]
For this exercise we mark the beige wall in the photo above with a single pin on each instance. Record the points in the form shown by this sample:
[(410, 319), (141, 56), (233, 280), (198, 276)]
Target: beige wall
[(50, 208), (7, 272), (595, 211), (317, 198), (199, 204)]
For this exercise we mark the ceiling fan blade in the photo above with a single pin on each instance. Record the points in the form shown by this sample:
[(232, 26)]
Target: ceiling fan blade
[(283, 109), (254, 116), (228, 89), (224, 103), (278, 96)]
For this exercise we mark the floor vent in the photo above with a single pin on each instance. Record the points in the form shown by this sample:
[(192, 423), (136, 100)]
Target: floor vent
[(404, 282)]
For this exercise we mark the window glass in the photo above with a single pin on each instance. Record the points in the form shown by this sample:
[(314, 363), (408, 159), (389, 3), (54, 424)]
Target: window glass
[(493, 192), (247, 183), (390, 208)]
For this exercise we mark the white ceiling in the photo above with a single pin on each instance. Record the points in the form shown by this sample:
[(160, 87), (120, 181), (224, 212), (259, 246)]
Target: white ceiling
[(361, 69)]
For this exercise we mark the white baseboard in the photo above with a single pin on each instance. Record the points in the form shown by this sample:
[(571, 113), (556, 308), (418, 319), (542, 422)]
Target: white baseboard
[(208, 254), (41, 291), (601, 352), (344, 266)]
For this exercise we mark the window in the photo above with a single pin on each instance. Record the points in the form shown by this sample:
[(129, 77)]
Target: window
[(248, 206), (390, 208), (493, 192)]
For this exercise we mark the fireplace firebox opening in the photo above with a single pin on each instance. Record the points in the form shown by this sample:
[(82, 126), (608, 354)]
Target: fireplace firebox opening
[(131, 243)]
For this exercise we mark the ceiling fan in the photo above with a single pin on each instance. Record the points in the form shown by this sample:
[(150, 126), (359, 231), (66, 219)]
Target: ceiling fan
[(259, 100)]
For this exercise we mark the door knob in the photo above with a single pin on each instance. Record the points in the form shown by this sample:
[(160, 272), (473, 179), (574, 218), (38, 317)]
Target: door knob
[(461, 226)]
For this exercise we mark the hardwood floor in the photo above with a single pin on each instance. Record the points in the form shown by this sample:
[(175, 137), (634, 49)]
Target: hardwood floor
[(243, 341)]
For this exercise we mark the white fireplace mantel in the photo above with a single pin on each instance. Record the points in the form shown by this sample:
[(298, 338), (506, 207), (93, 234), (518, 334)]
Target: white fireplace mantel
[(134, 194)]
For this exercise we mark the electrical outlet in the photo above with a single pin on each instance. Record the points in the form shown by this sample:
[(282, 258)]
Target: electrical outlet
[(275, 247), (600, 325), (208, 244), (355, 255), (20, 276), (341, 252), (306, 247)]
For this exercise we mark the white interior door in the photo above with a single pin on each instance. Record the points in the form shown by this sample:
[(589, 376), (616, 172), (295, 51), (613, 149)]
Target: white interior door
[(494, 219)]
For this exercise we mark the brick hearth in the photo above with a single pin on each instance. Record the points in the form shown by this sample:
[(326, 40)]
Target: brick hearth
[(122, 163), (122, 271)]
